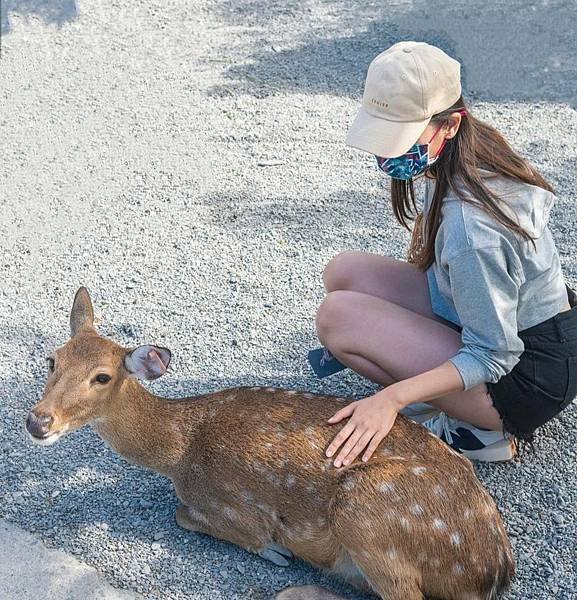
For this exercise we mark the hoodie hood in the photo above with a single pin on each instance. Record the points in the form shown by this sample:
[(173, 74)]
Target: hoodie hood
[(528, 205)]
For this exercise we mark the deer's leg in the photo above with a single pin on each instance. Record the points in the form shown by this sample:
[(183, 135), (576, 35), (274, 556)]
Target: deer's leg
[(250, 539), (375, 544), (391, 579)]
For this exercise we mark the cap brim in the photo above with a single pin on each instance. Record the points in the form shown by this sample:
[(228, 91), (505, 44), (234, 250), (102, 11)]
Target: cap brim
[(381, 137)]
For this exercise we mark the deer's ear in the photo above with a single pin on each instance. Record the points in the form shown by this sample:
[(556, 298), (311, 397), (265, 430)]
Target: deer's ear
[(147, 362), (82, 314)]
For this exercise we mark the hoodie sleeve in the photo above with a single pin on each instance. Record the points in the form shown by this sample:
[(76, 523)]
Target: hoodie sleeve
[(485, 293)]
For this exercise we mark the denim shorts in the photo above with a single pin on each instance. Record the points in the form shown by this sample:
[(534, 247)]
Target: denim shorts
[(544, 381)]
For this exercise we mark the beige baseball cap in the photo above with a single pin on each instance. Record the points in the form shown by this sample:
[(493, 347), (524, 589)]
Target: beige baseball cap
[(405, 86)]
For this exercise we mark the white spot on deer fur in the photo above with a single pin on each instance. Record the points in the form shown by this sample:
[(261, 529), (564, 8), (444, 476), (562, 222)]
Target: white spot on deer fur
[(435, 562), (417, 509), (230, 513), (439, 524), (458, 569), (439, 491), (255, 388), (387, 487), (405, 522), (419, 470), (231, 397), (310, 430), (246, 496), (270, 389), (265, 508), (292, 392), (272, 478), (422, 557), (307, 395), (467, 514), (349, 484), (455, 539), (392, 554), (196, 515)]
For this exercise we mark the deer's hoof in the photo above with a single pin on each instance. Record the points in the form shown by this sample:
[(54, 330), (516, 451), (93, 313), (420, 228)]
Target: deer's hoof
[(306, 592), (277, 554)]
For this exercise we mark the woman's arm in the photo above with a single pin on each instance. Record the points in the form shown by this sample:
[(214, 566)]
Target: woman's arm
[(372, 418), (440, 381)]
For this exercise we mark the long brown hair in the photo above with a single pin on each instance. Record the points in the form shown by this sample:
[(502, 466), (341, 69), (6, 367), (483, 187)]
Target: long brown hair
[(475, 145)]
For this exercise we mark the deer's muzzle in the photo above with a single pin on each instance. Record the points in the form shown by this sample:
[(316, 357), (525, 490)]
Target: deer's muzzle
[(38, 426)]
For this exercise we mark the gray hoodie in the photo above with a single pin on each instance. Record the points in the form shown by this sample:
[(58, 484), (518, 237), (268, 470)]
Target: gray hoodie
[(489, 281)]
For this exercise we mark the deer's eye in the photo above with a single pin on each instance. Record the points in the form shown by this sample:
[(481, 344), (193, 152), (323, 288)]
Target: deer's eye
[(50, 362), (102, 378)]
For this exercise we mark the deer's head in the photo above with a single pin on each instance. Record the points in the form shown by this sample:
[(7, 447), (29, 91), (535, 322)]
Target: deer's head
[(86, 374)]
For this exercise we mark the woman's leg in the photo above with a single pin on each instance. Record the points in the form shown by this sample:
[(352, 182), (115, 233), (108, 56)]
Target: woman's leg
[(378, 320)]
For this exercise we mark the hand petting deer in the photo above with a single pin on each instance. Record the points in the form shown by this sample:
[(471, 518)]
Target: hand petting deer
[(248, 466)]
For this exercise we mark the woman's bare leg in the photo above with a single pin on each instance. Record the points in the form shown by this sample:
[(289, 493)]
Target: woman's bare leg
[(378, 320)]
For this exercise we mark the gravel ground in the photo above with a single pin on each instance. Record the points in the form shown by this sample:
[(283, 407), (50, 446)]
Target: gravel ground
[(185, 161)]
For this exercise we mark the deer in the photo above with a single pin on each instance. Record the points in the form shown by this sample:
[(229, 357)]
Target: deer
[(248, 466)]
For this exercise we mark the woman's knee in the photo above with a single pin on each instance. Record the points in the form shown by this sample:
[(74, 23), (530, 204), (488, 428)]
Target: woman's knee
[(338, 272), (331, 316)]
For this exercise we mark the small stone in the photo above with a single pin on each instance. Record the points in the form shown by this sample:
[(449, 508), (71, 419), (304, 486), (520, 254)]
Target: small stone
[(240, 569), (558, 518), (158, 535), (155, 546), (55, 494), (146, 570), (145, 503)]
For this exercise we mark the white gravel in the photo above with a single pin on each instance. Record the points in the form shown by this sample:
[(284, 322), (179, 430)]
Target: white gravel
[(186, 162)]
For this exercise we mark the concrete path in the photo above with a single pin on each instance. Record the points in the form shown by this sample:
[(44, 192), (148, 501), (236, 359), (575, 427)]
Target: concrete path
[(29, 570)]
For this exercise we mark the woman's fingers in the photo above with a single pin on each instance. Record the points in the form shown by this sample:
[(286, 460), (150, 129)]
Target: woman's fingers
[(377, 439), (340, 438), (357, 448), (353, 439), (347, 411)]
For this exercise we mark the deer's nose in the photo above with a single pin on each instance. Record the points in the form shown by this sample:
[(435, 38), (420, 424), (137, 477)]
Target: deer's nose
[(38, 426)]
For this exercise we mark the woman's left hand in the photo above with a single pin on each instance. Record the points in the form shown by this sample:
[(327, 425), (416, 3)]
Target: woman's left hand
[(370, 420)]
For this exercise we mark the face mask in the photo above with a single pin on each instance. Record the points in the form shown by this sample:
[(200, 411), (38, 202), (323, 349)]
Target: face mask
[(412, 163)]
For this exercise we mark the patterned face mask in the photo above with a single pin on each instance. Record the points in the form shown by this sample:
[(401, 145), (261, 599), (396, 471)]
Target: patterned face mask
[(414, 162)]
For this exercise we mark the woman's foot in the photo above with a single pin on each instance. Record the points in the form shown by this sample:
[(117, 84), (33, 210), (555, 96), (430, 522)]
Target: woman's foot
[(473, 442)]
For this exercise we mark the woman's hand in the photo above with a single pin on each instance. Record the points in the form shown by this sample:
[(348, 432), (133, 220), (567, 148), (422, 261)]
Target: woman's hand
[(370, 420)]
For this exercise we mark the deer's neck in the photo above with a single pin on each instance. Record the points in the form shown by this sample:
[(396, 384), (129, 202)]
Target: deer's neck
[(148, 430)]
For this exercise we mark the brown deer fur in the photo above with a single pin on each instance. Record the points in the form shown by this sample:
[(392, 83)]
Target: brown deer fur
[(248, 466)]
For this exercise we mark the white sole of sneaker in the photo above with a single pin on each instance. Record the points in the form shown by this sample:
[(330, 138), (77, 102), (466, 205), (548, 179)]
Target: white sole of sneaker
[(497, 452), (420, 412)]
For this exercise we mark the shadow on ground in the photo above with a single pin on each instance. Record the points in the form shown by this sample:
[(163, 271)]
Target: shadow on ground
[(52, 12), (508, 51)]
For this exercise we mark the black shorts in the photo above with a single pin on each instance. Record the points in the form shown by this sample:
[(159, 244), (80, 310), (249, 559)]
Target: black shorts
[(544, 381)]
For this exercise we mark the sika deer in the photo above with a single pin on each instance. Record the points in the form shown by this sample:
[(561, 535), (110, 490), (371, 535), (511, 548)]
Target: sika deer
[(248, 466)]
